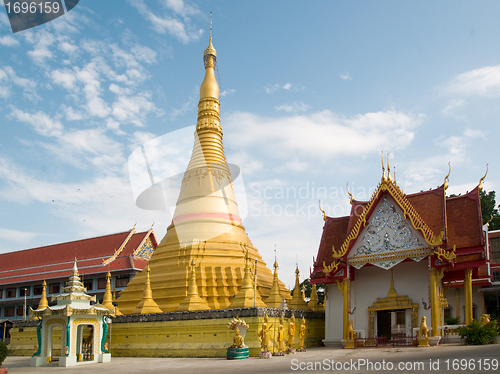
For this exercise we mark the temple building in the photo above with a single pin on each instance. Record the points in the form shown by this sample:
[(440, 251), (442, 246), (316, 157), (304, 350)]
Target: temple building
[(397, 258), (206, 234), (22, 273)]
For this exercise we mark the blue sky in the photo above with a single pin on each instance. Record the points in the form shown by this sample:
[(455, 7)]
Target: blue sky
[(310, 95)]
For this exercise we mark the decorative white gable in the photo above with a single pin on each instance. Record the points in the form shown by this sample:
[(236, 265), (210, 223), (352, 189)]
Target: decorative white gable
[(388, 239)]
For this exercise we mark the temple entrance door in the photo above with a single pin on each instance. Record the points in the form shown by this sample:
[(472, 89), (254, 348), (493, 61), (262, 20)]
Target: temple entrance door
[(384, 324)]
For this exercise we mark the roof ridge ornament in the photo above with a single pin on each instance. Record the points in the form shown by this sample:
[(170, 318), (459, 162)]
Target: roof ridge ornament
[(324, 214), (389, 178), (447, 178), (351, 199), (480, 186), (384, 178)]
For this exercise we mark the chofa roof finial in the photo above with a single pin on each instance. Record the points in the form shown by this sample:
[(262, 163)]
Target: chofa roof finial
[(480, 186), (447, 178)]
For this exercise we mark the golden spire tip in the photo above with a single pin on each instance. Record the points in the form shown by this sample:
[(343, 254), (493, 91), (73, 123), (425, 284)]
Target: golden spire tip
[(447, 178)]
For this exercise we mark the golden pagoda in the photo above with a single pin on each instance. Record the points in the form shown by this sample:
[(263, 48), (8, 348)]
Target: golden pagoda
[(206, 226), (298, 301)]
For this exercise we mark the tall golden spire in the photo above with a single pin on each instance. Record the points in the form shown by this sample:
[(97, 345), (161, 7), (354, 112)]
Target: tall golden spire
[(314, 300), (206, 223), (193, 301), (245, 298), (147, 303)]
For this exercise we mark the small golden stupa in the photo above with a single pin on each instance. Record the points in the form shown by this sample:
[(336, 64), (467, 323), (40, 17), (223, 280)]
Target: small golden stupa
[(206, 226)]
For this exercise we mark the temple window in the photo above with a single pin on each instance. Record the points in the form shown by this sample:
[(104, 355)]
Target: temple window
[(37, 290), (122, 280), (496, 276), (101, 283), (54, 288), (447, 313), (88, 284), (11, 292), (1, 293), (20, 310), (24, 291), (9, 311)]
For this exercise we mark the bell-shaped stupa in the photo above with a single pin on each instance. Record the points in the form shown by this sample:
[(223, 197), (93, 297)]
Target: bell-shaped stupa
[(206, 227)]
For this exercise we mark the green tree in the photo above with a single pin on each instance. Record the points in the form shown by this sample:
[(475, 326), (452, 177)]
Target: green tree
[(489, 209), (320, 290)]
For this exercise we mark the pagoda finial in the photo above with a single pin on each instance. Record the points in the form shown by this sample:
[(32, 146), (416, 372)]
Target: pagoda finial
[(350, 194), (192, 301), (247, 296), (297, 301), (275, 299), (384, 178), (480, 186), (147, 303), (107, 300), (447, 178), (43, 301)]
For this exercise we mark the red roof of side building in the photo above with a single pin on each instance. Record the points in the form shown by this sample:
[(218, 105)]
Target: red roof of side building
[(465, 228), (56, 261)]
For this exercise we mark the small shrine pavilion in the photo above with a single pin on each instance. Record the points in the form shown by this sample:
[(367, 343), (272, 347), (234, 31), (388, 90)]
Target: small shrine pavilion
[(84, 327)]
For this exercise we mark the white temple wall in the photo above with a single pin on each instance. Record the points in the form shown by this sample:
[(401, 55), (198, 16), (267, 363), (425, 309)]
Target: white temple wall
[(410, 279), (333, 315)]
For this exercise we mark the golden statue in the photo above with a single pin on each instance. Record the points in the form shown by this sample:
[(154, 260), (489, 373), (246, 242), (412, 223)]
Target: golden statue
[(485, 318), (423, 339), (424, 331), (291, 331), (350, 331), (281, 335), (264, 334), (349, 341), (302, 332), (238, 339)]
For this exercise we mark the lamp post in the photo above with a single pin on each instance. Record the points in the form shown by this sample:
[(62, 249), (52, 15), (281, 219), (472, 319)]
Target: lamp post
[(24, 311)]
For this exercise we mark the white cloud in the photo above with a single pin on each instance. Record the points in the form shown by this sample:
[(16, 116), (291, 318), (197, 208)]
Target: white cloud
[(42, 41), (41, 122), (451, 108), (227, 92), (482, 82), (63, 77), (346, 76), (181, 8), (8, 77), (18, 236), (8, 41), (133, 109), (296, 106), (287, 87), (167, 24), (322, 134)]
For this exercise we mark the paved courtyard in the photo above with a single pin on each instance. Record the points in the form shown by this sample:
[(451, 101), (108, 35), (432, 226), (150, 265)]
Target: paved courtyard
[(442, 359)]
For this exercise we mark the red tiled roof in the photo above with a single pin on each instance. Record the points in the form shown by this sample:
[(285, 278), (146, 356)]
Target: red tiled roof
[(334, 234), (465, 228), (430, 206), (56, 261)]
